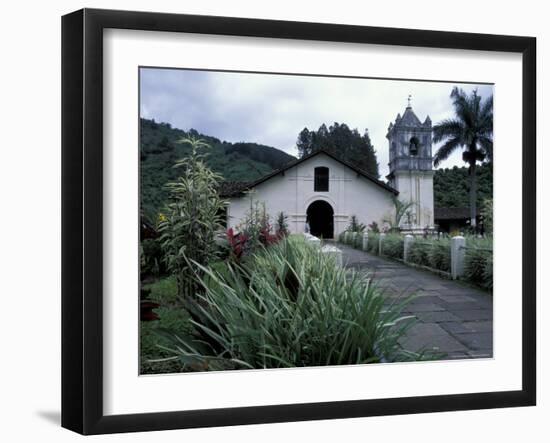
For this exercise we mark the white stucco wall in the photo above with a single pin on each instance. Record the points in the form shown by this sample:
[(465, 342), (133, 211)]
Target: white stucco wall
[(417, 186), (292, 193)]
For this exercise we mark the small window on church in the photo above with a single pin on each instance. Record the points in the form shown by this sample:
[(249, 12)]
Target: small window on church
[(321, 179), (413, 146)]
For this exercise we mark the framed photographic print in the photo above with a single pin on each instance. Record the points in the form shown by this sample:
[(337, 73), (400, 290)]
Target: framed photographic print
[(268, 221)]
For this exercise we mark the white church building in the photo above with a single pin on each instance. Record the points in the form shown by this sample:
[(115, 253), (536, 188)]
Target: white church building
[(325, 191)]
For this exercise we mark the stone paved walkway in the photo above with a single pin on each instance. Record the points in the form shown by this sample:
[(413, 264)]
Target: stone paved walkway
[(454, 318)]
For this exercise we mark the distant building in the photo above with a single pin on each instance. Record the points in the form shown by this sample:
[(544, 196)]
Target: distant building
[(325, 191), (455, 219)]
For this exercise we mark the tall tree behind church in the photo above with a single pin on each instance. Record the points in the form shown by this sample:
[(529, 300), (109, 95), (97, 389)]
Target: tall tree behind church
[(471, 130), (347, 144)]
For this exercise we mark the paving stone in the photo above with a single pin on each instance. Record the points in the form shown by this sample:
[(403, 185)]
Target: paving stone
[(476, 340), (436, 317), (424, 298), (456, 298), (455, 327), (439, 343), (423, 293), (462, 306), (474, 314), (479, 326), (481, 354), (457, 356), (423, 307), (432, 287), (458, 286), (426, 329)]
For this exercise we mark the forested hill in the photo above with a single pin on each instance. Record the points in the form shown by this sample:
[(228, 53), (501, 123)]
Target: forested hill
[(452, 186), (234, 161), (250, 161)]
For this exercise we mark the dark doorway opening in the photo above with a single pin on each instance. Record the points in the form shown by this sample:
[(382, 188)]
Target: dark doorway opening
[(320, 217)]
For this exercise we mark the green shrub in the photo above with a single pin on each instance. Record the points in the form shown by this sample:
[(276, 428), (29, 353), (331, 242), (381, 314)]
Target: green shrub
[(281, 224), (418, 252), (290, 306), (357, 241), (372, 244), (193, 218), (392, 246), (163, 291), (487, 213), (433, 253), (439, 254), (478, 262), (153, 344), (151, 258), (488, 273)]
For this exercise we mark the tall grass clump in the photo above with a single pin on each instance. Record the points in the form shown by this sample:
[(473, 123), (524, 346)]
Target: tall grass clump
[(418, 252), (393, 246), (439, 254), (372, 244), (478, 262), (488, 273), (357, 241), (290, 306), (434, 253)]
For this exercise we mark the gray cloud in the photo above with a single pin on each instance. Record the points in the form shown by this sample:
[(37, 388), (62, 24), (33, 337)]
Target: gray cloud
[(272, 109)]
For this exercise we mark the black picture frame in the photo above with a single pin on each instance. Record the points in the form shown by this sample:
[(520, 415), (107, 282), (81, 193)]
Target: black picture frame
[(82, 215)]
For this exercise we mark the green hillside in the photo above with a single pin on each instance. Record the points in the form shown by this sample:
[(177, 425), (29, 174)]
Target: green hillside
[(234, 161), (452, 186), (250, 161)]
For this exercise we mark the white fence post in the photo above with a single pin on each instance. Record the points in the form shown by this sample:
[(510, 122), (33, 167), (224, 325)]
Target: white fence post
[(458, 252), (365, 240), (334, 252), (407, 242), (380, 243)]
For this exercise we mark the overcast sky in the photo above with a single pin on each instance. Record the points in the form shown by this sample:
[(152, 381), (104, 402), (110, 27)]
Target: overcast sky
[(272, 109)]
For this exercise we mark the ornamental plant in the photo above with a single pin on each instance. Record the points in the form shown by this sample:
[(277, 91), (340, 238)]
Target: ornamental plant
[(281, 225), (401, 209), (290, 306), (355, 225), (253, 233), (192, 219)]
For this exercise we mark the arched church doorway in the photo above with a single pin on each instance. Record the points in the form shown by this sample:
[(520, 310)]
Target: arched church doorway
[(320, 217)]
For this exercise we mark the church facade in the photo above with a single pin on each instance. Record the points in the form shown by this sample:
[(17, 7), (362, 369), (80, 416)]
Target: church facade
[(321, 192)]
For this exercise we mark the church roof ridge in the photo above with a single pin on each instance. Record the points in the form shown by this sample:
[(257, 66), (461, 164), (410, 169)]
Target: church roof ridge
[(375, 180)]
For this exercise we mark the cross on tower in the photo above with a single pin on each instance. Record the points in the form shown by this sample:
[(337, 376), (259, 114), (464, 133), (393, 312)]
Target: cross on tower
[(409, 100)]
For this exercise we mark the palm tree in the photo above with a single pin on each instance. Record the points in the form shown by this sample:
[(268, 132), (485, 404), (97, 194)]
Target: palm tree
[(472, 131)]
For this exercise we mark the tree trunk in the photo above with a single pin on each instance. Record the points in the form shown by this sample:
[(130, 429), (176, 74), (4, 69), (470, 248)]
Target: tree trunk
[(473, 186)]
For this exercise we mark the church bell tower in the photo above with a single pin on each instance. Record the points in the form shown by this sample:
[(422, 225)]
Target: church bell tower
[(411, 172)]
